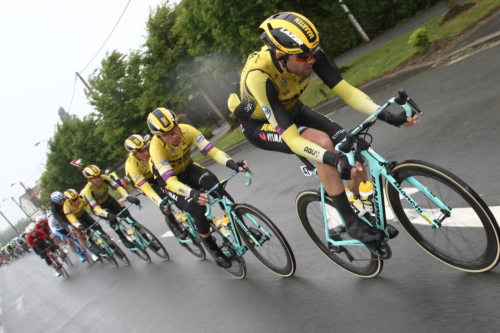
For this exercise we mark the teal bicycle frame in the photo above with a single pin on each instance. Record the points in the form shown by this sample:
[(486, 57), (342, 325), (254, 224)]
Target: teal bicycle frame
[(139, 240), (379, 169)]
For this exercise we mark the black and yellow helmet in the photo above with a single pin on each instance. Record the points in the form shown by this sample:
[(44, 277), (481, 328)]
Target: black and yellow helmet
[(134, 143), (91, 171), (161, 120), (70, 194), (290, 33)]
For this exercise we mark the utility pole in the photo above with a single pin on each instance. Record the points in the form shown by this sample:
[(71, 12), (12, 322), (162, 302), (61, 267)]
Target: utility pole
[(354, 22), (21, 208), (10, 223), (84, 82)]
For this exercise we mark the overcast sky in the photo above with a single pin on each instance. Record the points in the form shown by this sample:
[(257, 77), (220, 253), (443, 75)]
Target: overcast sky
[(44, 42)]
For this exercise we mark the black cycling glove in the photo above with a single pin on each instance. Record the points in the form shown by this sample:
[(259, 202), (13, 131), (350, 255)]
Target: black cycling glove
[(195, 195), (235, 165), (113, 220), (133, 200), (340, 162), (394, 119)]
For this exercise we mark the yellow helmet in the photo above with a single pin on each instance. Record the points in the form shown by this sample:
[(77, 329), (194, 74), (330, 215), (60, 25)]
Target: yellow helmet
[(134, 143), (91, 171), (161, 120), (70, 194), (290, 33)]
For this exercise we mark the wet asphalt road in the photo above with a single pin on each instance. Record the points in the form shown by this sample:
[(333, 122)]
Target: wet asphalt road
[(414, 292)]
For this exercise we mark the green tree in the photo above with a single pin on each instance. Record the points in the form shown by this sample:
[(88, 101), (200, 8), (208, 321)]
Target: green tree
[(73, 140), (116, 90)]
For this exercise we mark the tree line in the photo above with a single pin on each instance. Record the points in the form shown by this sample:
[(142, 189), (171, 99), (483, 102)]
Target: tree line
[(192, 51)]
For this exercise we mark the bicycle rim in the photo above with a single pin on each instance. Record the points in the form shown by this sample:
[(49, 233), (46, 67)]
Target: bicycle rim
[(132, 235), (155, 245), (237, 269), (274, 252), (310, 214), (468, 239), (63, 272), (121, 255)]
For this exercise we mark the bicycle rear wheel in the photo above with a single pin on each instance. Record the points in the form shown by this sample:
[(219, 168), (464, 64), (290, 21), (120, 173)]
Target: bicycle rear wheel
[(155, 245), (468, 240), (274, 252), (118, 253), (237, 269), (63, 271), (194, 247), (357, 260)]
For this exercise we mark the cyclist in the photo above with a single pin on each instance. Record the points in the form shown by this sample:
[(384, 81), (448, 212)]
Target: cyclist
[(170, 153), (273, 118), (96, 194), (57, 209), (37, 240), (139, 170), (60, 231), (21, 242)]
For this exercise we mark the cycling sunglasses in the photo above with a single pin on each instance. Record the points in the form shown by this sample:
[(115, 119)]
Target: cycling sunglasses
[(300, 58)]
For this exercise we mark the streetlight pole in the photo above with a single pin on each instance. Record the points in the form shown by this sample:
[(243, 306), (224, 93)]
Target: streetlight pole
[(36, 144), (354, 22), (18, 205), (10, 223), (21, 185)]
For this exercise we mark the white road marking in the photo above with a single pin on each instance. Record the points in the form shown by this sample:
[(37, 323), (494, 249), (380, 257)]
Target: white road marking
[(168, 234)]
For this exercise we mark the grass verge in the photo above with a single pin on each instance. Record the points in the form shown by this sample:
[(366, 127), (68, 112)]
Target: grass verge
[(387, 57)]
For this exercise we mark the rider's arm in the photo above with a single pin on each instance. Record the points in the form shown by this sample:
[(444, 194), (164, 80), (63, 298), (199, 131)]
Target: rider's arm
[(354, 97), (123, 192), (87, 194), (68, 212), (160, 158), (133, 170), (207, 148)]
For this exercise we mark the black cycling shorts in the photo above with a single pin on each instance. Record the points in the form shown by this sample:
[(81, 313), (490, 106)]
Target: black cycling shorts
[(264, 136)]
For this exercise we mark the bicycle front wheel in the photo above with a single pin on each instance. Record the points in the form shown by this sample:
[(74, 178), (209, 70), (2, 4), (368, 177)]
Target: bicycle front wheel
[(132, 235), (193, 245), (468, 239), (63, 272), (357, 260), (237, 269), (154, 243), (274, 251)]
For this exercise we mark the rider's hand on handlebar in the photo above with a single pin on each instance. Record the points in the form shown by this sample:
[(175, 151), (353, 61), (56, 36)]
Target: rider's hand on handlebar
[(113, 220), (238, 166), (398, 119), (133, 200), (200, 198)]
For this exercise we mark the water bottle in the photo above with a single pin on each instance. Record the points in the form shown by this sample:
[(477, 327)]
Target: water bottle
[(366, 195), (181, 218), (356, 204), (223, 225)]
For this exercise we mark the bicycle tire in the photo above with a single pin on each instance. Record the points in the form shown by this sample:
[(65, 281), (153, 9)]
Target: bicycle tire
[(275, 252), (469, 243), (194, 247), (105, 250), (119, 253), (238, 269), (154, 241), (63, 271), (309, 211)]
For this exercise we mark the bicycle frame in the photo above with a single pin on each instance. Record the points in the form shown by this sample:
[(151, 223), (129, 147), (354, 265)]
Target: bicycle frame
[(139, 240), (233, 218), (190, 221), (379, 169)]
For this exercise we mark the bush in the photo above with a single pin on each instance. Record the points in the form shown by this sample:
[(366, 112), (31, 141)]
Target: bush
[(420, 40), (207, 132)]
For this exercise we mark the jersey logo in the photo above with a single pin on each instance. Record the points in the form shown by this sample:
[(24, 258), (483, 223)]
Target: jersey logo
[(199, 138), (137, 176), (283, 83), (262, 136), (267, 112), (143, 166), (164, 162)]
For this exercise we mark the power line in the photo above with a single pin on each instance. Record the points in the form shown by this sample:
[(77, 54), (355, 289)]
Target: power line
[(72, 96), (106, 38)]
